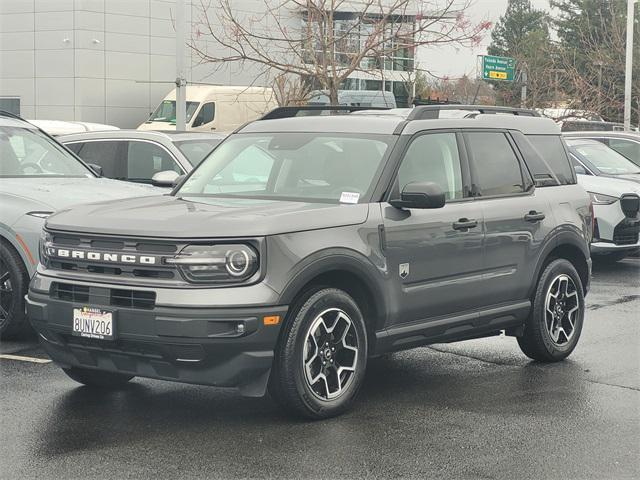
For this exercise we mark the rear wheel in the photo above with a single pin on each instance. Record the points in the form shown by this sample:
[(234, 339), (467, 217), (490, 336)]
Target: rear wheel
[(97, 378), (14, 281), (553, 328), (320, 361)]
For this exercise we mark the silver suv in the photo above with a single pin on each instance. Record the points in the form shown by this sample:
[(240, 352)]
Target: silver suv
[(300, 247)]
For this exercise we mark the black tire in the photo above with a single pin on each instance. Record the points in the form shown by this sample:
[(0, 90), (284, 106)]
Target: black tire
[(97, 378), (288, 384), (14, 282), (537, 342)]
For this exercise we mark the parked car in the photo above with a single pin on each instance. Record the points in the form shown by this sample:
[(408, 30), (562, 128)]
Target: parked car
[(616, 219), (37, 177), (591, 157), (361, 98), (581, 125), (60, 127), (300, 247), (626, 144), (213, 108), (156, 158)]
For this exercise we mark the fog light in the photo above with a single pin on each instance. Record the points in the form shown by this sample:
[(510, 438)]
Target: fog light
[(240, 328)]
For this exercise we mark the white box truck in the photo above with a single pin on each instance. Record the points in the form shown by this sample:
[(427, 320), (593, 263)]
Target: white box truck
[(213, 108)]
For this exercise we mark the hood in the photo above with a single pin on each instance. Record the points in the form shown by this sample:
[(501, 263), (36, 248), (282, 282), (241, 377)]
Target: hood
[(204, 217), (608, 185), (51, 194), (634, 177), (158, 126)]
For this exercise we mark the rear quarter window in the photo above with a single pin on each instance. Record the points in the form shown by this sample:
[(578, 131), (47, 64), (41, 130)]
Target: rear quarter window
[(548, 162)]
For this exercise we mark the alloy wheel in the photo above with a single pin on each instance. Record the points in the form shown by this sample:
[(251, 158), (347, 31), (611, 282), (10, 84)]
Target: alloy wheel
[(330, 354), (562, 305), (6, 292)]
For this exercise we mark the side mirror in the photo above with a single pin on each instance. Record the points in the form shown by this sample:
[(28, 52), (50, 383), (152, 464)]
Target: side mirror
[(166, 178), (420, 195), (97, 169), (580, 170)]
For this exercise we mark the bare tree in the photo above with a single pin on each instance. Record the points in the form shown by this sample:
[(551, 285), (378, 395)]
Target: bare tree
[(325, 41)]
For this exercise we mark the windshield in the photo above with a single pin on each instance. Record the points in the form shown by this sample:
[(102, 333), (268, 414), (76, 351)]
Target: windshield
[(27, 152), (605, 159), (166, 112), (292, 166), (197, 150)]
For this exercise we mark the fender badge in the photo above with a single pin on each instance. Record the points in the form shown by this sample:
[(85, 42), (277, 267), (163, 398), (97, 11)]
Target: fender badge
[(404, 270)]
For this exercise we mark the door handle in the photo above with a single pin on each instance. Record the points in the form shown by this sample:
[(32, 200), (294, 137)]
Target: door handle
[(465, 224), (534, 216)]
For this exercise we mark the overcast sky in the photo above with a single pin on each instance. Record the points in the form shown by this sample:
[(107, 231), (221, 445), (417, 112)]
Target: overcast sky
[(455, 62)]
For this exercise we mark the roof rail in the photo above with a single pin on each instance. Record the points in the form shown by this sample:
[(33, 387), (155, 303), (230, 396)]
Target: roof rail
[(288, 112), (425, 112)]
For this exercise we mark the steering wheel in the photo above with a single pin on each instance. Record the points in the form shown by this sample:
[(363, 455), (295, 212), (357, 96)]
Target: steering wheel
[(33, 165)]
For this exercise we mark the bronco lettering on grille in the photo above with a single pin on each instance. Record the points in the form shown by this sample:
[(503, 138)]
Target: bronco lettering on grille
[(102, 256)]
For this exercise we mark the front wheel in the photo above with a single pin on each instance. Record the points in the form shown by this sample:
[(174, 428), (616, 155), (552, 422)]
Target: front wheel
[(97, 378), (554, 325), (321, 359)]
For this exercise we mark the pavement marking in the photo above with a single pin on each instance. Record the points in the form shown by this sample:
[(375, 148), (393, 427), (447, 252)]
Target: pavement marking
[(21, 358)]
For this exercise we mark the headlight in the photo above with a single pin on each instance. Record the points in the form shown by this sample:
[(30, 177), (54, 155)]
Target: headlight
[(216, 263), (45, 241), (600, 199)]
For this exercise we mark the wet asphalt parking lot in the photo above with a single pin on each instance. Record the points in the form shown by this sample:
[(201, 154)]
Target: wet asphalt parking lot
[(476, 409)]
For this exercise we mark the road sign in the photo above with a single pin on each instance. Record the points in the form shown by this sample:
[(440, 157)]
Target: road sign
[(498, 68)]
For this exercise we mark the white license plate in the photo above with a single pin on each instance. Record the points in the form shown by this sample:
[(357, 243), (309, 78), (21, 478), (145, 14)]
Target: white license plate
[(93, 323)]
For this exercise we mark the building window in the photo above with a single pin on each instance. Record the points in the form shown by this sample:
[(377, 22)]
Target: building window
[(10, 104)]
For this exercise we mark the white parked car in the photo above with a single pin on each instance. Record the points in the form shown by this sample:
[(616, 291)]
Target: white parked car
[(62, 127), (616, 219)]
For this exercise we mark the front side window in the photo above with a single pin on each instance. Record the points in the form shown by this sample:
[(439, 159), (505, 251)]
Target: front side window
[(27, 152), (197, 150), (205, 115), (292, 166), (628, 148), (145, 159), (433, 158), (496, 166), (166, 112)]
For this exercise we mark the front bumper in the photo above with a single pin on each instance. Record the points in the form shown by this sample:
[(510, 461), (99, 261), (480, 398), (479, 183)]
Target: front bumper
[(603, 248), (178, 343)]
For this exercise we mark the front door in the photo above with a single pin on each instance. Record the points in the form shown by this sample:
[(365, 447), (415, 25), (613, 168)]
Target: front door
[(435, 255)]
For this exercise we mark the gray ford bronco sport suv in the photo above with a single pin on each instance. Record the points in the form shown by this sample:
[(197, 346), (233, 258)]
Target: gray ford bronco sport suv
[(301, 247)]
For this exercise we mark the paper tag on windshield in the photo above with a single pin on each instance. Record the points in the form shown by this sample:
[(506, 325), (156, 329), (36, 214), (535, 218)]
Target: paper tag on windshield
[(349, 197)]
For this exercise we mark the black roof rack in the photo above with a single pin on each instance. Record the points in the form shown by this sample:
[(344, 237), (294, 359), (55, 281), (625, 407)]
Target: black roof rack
[(425, 112), (288, 112)]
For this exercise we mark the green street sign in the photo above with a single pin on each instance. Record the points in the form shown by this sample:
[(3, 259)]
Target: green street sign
[(498, 68)]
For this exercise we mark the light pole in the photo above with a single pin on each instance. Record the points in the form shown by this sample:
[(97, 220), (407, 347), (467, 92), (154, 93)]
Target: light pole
[(181, 89), (628, 66)]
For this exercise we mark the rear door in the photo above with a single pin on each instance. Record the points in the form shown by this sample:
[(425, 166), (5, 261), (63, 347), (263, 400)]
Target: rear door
[(435, 255), (516, 216)]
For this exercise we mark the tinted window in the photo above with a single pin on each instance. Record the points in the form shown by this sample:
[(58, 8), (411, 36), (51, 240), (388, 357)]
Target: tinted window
[(74, 147), (27, 152), (433, 158), (107, 154), (197, 150), (628, 148), (205, 115), (551, 159), (145, 159), (495, 164)]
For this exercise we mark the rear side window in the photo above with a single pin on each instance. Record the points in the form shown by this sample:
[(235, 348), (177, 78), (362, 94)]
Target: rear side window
[(496, 166), (107, 154), (549, 164)]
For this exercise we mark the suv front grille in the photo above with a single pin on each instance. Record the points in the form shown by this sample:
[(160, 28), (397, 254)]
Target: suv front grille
[(630, 205), (625, 234), (119, 247), (117, 297)]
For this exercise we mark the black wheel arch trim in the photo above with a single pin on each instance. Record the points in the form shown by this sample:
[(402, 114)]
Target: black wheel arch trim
[(332, 259)]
